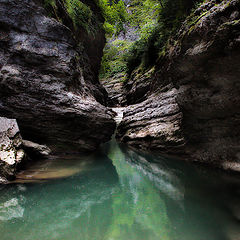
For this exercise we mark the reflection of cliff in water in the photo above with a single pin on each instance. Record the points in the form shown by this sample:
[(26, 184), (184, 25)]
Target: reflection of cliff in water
[(163, 177), (197, 200), (68, 208), (137, 196), (139, 212)]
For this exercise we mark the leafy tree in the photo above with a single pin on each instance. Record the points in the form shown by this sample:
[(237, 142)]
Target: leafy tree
[(115, 15), (139, 15), (155, 38)]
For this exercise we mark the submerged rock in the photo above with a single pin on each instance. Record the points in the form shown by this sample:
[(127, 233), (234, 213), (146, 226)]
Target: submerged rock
[(11, 154), (48, 79), (193, 109)]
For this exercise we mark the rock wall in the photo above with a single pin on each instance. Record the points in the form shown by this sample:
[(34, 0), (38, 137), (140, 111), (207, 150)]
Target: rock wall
[(138, 86), (115, 89), (194, 108), (48, 78)]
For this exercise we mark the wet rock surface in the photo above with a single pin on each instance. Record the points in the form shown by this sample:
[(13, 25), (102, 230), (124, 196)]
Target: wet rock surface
[(11, 153), (195, 105), (46, 84)]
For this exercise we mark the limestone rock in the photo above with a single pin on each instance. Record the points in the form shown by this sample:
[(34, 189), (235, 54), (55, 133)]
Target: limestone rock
[(48, 79), (115, 90), (35, 150), (138, 86), (11, 155), (154, 124), (200, 74)]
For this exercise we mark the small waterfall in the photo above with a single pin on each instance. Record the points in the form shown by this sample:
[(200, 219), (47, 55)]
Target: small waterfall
[(118, 118)]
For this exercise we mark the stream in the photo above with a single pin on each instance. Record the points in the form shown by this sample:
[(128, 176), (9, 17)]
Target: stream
[(120, 194)]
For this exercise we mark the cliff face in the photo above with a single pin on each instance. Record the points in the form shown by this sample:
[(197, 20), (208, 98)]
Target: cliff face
[(194, 108), (48, 77)]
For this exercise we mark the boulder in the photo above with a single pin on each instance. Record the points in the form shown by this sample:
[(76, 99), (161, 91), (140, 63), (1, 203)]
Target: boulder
[(35, 150), (11, 154)]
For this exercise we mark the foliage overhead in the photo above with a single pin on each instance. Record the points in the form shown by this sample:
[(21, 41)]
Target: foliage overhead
[(80, 13), (157, 22), (138, 18), (115, 14), (138, 31)]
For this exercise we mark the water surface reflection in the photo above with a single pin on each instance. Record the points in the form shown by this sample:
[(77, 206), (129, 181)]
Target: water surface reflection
[(120, 194)]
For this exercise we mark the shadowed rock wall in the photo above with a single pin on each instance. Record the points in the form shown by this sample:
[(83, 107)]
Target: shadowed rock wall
[(47, 80)]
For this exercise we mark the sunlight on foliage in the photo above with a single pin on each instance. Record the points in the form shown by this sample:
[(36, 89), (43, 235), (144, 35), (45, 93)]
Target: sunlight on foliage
[(157, 23), (115, 15), (137, 18), (138, 32), (114, 61), (80, 13)]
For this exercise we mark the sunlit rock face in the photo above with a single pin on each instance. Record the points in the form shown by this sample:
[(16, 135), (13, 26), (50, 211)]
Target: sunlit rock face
[(46, 84), (154, 124), (11, 154), (193, 109)]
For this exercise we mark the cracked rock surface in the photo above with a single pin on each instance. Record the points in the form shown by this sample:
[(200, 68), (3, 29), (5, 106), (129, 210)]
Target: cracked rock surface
[(46, 84), (11, 154), (193, 109)]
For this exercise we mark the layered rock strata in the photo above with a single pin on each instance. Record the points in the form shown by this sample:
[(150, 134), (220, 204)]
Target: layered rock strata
[(194, 109), (47, 81), (115, 89)]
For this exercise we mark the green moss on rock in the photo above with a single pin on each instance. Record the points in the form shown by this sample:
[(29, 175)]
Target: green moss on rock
[(80, 14)]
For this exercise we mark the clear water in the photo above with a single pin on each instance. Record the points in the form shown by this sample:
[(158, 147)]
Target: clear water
[(121, 195)]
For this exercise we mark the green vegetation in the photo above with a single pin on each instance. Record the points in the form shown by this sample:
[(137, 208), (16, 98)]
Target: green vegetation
[(114, 60), (137, 34), (156, 23), (139, 18), (146, 51), (80, 14), (115, 15)]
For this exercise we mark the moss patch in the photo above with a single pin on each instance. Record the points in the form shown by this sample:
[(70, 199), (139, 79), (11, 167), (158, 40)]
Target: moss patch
[(80, 14)]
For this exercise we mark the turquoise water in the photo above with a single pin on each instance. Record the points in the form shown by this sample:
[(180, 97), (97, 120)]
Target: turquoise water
[(119, 194)]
